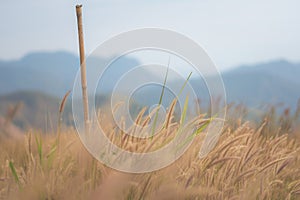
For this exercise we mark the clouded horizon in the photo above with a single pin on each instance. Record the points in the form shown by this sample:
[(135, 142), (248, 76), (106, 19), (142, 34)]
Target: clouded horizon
[(232, 32)]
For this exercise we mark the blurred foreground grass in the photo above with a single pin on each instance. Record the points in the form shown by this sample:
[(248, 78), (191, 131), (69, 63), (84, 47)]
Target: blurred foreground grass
[(250, 161)]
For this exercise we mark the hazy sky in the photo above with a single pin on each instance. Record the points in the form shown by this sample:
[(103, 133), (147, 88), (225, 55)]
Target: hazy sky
[(233, 32)]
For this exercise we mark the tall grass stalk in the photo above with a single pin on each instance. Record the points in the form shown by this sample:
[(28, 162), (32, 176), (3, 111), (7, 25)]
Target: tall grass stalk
[(14, 173), (60, 115), (38, 140), (160, 99)]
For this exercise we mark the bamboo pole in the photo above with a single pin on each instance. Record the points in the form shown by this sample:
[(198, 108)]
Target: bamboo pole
[(83, 68)]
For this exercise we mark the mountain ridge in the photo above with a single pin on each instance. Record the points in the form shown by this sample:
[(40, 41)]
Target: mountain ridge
[(24, 80)]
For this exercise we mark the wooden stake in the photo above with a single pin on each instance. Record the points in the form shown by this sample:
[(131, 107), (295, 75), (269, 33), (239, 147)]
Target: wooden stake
[(83, 68)]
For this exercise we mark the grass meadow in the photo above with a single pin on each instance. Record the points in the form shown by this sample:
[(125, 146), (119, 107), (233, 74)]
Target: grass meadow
[(258, 160)]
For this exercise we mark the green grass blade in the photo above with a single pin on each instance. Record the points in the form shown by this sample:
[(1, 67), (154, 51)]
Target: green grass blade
[(202, 128), (14, 172), (164, 85), (183, 116), (183, 86), (51, 155), (160, 99), (195, 133), (39, 148), (185, 107)]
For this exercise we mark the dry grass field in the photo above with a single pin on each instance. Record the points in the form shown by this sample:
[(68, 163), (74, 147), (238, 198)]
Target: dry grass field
[(250, 161)]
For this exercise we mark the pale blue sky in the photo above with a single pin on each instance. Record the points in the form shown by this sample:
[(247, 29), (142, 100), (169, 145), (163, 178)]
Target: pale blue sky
[(233, 32)]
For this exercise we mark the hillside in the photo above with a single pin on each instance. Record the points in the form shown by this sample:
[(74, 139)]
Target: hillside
[(52, 73), (34, 109), (272, 83), (37, 72), (43, 79), (266, 83)]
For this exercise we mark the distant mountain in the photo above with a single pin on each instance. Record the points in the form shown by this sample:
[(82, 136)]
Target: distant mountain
[(271, 83), (48, 76), (53, 73), (266, 83)]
